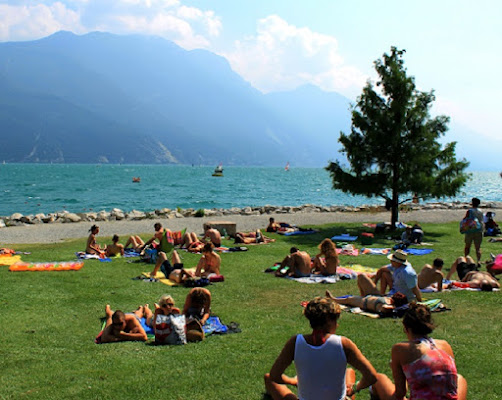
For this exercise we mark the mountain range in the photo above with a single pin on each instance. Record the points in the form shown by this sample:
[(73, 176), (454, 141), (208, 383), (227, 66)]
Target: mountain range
[(105, 98)]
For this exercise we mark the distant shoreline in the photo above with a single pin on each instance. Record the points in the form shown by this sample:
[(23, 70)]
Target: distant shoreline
[(58, 232)]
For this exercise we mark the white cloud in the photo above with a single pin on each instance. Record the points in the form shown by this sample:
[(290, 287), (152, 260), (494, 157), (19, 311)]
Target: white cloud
[(189, 27), (27, 22), (282, 56)]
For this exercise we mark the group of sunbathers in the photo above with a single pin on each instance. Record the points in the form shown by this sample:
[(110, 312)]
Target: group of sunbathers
[(133, 326)]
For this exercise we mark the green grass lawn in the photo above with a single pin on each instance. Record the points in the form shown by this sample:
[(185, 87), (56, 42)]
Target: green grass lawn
[(49, 321)]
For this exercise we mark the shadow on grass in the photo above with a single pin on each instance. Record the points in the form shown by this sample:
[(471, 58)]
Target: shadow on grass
[(379, 240)]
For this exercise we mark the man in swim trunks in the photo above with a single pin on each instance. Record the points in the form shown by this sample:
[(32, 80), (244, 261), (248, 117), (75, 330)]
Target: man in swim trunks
[(404, 278), (212, 234), (299, 264), (462, 266), (432, 275), (122, 327)]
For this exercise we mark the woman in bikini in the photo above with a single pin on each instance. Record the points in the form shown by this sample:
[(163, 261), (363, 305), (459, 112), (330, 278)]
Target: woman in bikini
[(425, 365), (209, 263), (372, 303), (92, 247), (326, 262)]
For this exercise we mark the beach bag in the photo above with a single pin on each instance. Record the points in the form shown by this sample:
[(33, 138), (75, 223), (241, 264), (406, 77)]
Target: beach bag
[(170, 329), (470, 224), (196, 282)]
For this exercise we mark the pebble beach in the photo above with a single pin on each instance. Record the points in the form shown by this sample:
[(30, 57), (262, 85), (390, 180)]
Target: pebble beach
[(58, 232)]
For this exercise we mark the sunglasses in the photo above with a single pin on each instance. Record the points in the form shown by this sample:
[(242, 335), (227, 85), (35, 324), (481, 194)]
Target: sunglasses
[(169, 304)]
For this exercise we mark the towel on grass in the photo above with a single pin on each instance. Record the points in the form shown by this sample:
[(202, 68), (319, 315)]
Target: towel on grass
[(347, 250), (375, 251), (344, 237), (84, 256), (418, 252), (298, 232), (9, 260), (160, 277)]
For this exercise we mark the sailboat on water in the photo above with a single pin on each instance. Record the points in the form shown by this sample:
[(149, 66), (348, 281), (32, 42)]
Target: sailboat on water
[(286, 168), (218, 171)]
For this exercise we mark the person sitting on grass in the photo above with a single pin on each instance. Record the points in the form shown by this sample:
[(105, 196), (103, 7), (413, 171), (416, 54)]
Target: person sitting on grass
[(210, 262), (115, 248), (432, 276), (92, 247), (276, 226), (377, 304), (299, 264), (197, 310), (252, 237), (424, 365), (212, 234), (326, 262), (399, 275), (165, 306), (320, 359), (122, 327)]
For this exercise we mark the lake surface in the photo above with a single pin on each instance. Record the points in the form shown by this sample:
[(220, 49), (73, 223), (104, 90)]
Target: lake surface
[(43, 188)]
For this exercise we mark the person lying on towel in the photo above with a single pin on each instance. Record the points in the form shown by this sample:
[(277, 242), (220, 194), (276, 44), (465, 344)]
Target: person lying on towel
[(373, 303), (121, 327)]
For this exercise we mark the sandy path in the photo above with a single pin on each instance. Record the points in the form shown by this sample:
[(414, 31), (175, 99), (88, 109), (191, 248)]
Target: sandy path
[(53, 233)]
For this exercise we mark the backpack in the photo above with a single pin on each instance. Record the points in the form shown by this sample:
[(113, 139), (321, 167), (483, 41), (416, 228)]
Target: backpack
[(170, 329), (470, 224)]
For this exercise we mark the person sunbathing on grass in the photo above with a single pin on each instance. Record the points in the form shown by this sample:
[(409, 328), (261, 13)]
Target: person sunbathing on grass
[(298, 262), (115, 248), (252, 237), (122, 327), (326, 262), (481, 280), (320, 360), (210, 262), (373, 303), (136, 243), (92, 247)]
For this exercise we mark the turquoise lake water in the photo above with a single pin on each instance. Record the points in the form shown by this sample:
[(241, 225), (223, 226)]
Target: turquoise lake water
[(36, 188)]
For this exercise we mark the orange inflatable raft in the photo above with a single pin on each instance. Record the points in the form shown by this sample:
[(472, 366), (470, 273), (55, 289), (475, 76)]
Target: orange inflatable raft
[(50, 266)]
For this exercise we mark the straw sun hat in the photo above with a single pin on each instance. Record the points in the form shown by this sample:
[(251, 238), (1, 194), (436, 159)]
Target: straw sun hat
[(399, 256)]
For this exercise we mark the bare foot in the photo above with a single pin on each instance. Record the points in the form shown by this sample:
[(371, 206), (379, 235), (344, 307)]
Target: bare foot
[(156, 305), (108, 311), (329, 295)]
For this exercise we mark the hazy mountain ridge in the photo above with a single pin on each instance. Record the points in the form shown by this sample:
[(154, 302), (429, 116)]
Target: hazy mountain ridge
[(138, 99)]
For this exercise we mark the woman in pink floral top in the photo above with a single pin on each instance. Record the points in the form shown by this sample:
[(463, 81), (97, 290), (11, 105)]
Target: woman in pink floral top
[(424, 365)]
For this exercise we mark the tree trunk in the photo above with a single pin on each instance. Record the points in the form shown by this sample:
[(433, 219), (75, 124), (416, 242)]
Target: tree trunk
[(395, 210)]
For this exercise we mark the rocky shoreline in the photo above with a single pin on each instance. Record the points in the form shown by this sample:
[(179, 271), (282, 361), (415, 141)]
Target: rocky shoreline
[(18, 219)]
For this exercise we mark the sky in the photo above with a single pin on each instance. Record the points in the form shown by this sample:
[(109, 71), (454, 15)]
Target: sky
[(452, 47)]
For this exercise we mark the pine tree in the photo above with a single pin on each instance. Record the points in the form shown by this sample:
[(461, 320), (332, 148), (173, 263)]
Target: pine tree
[(393, 148)]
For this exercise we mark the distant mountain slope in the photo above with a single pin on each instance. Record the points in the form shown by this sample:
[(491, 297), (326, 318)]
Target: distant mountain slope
[(138, 99)]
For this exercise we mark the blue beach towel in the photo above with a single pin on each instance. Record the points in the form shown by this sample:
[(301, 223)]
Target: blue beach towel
[(344, 237), (299, 233), (418, 252), (214, 325)]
